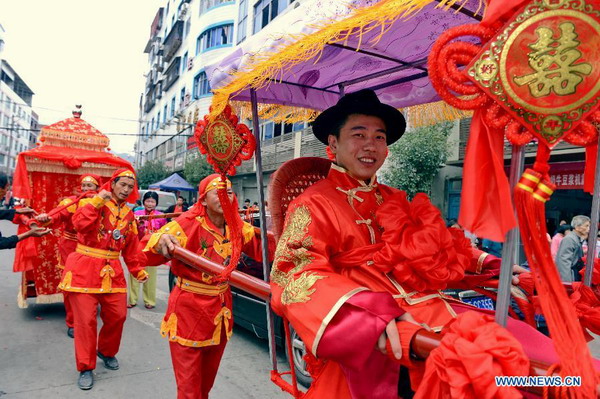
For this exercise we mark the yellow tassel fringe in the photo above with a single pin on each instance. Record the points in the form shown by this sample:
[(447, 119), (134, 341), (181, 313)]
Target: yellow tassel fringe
[(46, 299), (299, 48), (429, 114)]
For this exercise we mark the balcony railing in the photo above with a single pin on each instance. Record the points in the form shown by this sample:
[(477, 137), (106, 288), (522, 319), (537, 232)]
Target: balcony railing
[(149, 103), (151, 96), (173, 41), (172, 73), (280, 149)]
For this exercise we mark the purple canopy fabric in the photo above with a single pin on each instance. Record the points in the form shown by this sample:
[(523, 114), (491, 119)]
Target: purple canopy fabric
[(395, 67)]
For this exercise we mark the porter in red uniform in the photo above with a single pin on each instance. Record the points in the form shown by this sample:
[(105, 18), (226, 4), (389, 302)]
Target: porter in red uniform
[(93, 275)]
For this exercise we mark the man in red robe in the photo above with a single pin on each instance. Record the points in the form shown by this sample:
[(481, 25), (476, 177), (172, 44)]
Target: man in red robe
[(93, 275), (355, 256), (68, 240), (199, 319)]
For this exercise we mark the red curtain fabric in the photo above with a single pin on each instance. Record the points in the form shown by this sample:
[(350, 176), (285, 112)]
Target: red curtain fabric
[(50, 188), (72, 158)]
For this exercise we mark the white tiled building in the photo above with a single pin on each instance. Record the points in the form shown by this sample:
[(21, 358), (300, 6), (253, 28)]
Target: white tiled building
[(18, 123), (187, 35)]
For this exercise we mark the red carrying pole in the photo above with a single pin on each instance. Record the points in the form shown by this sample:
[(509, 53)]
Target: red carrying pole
[(243, 281)]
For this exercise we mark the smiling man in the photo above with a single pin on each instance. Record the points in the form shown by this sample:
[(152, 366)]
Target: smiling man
[(346, 315), (93, 275)]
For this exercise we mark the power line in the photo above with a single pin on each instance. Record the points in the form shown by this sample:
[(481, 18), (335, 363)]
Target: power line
[(180, 133), (9, 101)]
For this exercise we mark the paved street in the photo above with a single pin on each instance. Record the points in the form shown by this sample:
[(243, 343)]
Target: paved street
[(37, 357)]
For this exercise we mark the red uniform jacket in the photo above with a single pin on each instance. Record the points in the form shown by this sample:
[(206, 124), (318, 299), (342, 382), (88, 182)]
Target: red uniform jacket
[(198, 308), (94, 267), (68, 238)]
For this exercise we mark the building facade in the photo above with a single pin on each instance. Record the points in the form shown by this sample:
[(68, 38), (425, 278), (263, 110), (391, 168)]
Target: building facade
[(18, 122), (185, 36)]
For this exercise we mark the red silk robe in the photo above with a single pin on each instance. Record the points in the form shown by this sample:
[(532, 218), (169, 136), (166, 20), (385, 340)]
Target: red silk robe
[(195, 290), (336, 297), (87, 269)]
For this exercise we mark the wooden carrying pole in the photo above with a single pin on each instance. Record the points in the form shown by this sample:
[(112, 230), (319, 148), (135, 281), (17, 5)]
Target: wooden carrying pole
[(422, 344), (159, 216)]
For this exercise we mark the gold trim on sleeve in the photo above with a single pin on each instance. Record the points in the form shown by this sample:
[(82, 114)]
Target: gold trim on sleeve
[(172, 228), (293, 246), (480, 261), (96, 201)]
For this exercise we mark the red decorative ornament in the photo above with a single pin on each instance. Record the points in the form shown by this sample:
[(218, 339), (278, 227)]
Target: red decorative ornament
[(540, 68), (535, 75), (225, 142)]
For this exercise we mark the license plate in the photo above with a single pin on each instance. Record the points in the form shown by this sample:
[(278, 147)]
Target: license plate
[(481, 302)]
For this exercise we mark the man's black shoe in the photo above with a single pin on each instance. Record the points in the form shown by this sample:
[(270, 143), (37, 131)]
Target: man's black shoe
[(86, 380), (71, 332), (110, 363)]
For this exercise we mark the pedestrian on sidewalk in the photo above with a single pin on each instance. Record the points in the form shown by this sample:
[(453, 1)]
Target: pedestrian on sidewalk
[(570, 252), (146, 228)]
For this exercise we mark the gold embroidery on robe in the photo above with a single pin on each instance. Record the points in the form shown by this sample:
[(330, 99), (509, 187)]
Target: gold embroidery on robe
[(293, 247), (300, 289)]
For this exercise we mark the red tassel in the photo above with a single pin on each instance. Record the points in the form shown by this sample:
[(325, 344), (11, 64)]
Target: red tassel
[(234, 222), (566, 332)]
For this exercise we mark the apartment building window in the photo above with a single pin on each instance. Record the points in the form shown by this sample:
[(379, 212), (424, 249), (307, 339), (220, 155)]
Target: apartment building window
[(270, 129), (158, 119), (201, 85), (182, 97), (206, 5), (186, 28), (264, 12), (165, 114), (152, 124), (173, 107), (184, 63), (215, 37), (242, 21)]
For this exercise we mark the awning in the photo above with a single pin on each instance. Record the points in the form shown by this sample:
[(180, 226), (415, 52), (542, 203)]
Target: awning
[(173, 183)]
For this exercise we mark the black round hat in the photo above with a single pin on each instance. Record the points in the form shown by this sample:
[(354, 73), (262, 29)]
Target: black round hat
[(364, 102)]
